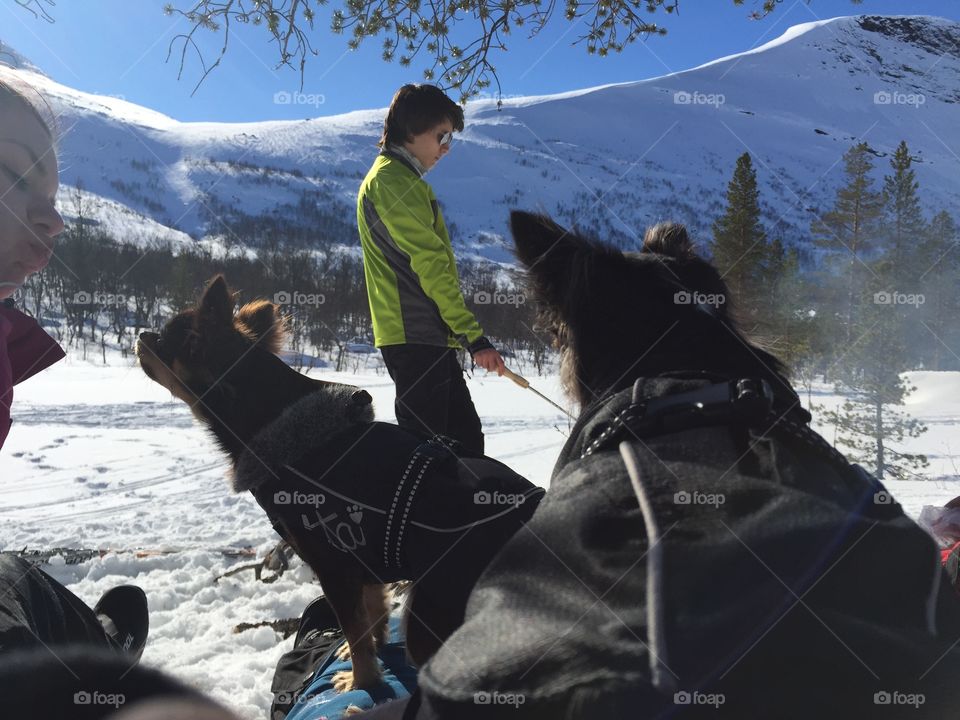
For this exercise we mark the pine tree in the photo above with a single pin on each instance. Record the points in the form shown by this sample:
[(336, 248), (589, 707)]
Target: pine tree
[(905, 250), (941, 309), (739, 240), (815, 354), (848, 233), (868, 424), (787, 320), (886, 335), (904, 222)]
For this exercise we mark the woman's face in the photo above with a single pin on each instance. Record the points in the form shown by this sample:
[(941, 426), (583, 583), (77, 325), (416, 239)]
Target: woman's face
[(28, 186), (426, 146)]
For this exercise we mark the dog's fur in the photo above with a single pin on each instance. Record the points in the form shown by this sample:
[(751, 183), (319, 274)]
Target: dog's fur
[(613, 314), (226, 369)]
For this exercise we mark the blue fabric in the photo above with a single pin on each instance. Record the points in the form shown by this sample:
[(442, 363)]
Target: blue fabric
[(321, 702)]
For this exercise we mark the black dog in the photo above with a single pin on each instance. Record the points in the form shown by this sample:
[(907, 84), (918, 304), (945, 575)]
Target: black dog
[(701, 549), (363, 503)]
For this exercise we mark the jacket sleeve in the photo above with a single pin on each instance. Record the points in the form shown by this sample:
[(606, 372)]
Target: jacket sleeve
[(25, 350), (6, 393), (409, 220)]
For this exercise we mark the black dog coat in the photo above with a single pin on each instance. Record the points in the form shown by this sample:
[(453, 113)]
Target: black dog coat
[(401, 503), (750, 517)]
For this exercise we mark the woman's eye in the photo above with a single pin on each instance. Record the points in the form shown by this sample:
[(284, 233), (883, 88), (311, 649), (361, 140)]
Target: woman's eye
[(19, 181)]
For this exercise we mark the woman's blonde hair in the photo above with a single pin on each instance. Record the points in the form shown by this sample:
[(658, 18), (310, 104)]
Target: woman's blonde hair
[(15, 91)]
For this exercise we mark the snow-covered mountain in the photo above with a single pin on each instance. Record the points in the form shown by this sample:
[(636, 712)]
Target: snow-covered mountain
[(613, 158)]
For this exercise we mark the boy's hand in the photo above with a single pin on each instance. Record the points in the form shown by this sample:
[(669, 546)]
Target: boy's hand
[(489, 360)]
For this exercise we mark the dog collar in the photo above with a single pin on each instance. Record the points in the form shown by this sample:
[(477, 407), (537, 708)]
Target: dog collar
[(747, 401)]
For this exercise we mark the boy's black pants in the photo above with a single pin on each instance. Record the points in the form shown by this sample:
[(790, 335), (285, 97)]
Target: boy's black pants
[(37, 611), (56, 661), (432, 396)]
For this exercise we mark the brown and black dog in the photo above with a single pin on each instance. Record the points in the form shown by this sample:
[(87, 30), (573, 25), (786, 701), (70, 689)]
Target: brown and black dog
[(363, 503)]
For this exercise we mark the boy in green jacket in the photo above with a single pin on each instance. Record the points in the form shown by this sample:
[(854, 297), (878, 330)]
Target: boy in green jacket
[(419, 314)]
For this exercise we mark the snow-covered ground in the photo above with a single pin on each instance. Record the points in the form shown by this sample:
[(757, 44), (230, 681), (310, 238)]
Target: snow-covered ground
[(100, 457)]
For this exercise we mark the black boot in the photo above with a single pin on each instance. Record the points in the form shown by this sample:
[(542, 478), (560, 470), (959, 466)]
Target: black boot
[(123, 613)]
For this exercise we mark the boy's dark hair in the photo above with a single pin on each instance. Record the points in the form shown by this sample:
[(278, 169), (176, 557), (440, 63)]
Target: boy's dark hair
[(415, 109)]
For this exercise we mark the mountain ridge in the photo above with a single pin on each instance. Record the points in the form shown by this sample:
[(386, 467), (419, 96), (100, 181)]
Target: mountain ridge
[(664, 148)]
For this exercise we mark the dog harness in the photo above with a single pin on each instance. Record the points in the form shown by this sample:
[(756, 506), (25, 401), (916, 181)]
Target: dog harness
[(439, 495), (747, 401)]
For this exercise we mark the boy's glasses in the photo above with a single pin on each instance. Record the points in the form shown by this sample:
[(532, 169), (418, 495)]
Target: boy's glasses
[(445, 139)]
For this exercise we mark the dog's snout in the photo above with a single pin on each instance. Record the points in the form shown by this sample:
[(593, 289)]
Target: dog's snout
[(361, 397), (147, 341)]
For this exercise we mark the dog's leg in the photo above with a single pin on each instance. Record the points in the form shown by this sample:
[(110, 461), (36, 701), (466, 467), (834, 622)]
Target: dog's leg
[(422, 639), (434, 610), (376, 601), (345, 593)]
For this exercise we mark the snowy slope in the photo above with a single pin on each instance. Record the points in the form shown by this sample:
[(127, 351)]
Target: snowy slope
[(614, 158)]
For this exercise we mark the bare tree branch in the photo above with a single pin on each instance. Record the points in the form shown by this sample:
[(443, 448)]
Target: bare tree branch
[(288, 22), (416, 27), (768, 6), (41, 11)]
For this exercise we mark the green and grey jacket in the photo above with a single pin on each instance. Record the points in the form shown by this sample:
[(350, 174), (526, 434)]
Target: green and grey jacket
[(412, 281)]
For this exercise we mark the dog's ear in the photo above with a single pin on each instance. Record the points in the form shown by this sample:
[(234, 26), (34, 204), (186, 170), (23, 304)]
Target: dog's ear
[(669, 238), (216, 304), (691, 272), (262, 320), (538, 239), (559, 262)]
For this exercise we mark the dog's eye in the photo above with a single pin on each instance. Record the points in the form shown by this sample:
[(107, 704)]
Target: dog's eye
[(193, 343)]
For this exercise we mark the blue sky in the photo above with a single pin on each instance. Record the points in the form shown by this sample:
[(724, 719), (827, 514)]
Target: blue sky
[(119, 47)]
